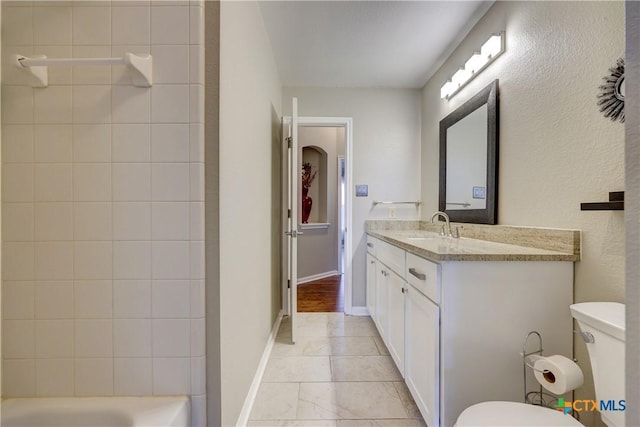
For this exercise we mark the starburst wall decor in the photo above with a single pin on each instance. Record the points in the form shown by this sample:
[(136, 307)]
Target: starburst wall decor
[(611, 96)]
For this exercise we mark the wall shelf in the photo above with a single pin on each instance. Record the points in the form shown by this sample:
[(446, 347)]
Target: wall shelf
[(615, 203)]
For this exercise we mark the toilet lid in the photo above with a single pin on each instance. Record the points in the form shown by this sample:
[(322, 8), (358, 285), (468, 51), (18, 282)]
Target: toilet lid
[(512, 414)]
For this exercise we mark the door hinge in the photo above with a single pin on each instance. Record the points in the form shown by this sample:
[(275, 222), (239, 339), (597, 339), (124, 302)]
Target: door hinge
[(288, 284), (288, 213), (289, 141)]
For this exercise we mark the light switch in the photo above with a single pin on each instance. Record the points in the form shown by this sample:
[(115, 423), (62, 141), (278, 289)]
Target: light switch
[(362, 190)]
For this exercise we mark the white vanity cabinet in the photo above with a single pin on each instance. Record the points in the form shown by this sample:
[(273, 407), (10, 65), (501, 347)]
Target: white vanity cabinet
[(455, 328)]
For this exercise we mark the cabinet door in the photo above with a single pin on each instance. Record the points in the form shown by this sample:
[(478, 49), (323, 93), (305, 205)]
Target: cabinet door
[(382, 299), (423, 354), (396, 332), (371, 285)]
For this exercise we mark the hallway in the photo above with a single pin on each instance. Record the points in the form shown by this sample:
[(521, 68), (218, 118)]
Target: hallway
[(338, 374), (323, 295)]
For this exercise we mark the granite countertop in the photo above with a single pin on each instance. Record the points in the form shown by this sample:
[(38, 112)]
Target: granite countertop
[(440, 248)]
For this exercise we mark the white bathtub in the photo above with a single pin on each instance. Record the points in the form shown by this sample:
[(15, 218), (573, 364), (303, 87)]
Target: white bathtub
[(96, 412)]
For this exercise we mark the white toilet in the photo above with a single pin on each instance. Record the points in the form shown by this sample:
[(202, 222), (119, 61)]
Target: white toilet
[(604, 321)]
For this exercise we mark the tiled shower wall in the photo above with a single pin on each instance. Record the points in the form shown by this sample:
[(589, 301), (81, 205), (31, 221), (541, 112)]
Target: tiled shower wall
[(102, 204)]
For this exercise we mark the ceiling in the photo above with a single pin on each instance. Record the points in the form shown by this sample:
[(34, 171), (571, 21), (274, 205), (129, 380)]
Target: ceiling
[(384, 44)]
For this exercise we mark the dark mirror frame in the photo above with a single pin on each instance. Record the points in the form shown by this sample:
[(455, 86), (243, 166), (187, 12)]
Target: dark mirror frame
[(489, 215)]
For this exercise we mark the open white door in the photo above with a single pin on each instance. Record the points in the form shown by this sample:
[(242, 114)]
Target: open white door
[(292, 178)]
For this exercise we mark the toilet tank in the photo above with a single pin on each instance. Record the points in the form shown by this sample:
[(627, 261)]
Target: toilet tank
[(605, 322)]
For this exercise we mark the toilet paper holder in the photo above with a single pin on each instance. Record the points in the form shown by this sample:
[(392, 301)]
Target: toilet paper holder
[(537, 397)]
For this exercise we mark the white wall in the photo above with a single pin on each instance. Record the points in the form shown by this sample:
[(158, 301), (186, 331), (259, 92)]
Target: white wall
[(386, 153), (556, 149), (103, 204), (318, 248), (250, 108)]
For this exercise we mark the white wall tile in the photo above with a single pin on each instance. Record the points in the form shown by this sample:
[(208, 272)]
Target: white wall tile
[(199, 411), (54, 260), (198, 376), (53, 183), (131, 299), (93, 260), (197, 220), (170, 182), (170, 221), (196, 65), (171, 337), (18, 338), (196, 141), (53, 143), (130, 25), (170, 25), (170, 103), (17, 144), (54, 300), (131, 182), (17, 25), (131, 260), (197, 259), (52, 25), (90, 75), (131, 221), (12, 75), (17, 222), (197, 337), (170, 64), (93, 338), (92, 182), (133, 376), (170, 143), (54, 221), (132, 337), (91, 25), (92, 221), (54, 377), (197, 181), (91, 104), (19, 377), (53, 105), (93, 299), (17, 105), (18, 261), (131, 143), (17, 183), (197, 299), (171, 299), (92, 143), (54, 338), (18, 300), (171, 376), (94, 377), (196, 25), (196, 103), (170, 260), (130, 104)]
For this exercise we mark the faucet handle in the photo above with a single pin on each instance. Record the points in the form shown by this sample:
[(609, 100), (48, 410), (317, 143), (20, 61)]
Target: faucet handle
[(456, 232)]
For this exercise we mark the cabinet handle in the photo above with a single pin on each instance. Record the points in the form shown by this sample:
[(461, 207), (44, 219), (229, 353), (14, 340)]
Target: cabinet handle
[(415, 273), (404, 290), (370, 245)]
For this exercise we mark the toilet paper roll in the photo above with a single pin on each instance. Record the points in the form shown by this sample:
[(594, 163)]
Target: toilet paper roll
[(558, 374)]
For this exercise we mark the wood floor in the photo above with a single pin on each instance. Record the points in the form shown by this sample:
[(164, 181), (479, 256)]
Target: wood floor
[(324, 295)]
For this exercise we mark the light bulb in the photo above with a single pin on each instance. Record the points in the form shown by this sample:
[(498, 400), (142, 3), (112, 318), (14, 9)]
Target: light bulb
[(446, 89), (492, 47), (460, 77), (476, 62)]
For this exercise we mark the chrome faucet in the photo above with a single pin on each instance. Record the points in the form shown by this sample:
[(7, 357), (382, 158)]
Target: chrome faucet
[(447, 224)]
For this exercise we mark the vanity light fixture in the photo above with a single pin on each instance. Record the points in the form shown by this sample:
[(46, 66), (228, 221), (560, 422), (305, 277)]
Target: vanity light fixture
[(489, 51)]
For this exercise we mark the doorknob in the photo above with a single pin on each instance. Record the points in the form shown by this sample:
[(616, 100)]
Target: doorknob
[(293, 233)]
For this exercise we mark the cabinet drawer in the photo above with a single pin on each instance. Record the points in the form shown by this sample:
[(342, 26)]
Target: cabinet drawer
[(392, 257), (372, 243), (424, 276)]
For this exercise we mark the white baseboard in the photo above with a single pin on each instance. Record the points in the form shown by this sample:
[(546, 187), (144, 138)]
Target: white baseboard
[(317, 276), (359, 311), (243, 418)]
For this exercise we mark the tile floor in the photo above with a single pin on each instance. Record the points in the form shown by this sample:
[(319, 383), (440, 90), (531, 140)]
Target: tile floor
[(338, 374)]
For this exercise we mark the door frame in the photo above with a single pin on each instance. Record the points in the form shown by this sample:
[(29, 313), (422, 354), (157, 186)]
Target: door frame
[(341, 250), (347, 124)]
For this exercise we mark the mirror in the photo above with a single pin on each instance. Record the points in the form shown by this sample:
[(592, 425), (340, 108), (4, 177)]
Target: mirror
[(469, 159)]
